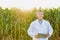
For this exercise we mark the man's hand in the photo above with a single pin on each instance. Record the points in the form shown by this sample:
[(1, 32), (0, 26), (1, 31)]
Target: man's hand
[(44, 35), (47, 35), (37, 36)]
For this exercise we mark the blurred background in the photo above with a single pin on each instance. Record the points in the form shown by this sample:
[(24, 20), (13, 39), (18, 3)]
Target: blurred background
[(16, 16)]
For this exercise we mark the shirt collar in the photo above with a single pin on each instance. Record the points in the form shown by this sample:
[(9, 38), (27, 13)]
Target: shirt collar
[(40, 22)]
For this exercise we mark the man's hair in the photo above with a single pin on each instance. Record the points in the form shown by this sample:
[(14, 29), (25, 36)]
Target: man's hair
[(40, 11)]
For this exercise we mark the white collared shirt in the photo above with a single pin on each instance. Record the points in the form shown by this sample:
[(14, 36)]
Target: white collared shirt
[(36, 27)]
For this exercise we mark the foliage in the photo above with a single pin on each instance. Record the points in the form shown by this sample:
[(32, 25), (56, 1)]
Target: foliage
[(14, 23)]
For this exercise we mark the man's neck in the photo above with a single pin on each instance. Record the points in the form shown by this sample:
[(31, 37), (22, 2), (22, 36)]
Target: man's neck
[(40, 19)]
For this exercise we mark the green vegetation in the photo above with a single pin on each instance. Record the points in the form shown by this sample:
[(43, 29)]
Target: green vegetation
[(14, 23)]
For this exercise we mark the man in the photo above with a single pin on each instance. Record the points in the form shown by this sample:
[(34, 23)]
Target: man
[(40, 29)]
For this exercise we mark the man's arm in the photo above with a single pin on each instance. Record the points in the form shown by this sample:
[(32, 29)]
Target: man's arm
[(31, 30), (50, 30)]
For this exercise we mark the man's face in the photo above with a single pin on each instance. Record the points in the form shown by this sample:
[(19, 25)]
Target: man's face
[(40, 15)]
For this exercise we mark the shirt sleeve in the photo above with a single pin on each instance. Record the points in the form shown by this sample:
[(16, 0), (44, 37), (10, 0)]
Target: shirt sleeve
[(50, 29), (31, 30)]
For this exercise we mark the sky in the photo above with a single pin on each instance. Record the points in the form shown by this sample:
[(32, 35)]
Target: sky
[(29, 4)]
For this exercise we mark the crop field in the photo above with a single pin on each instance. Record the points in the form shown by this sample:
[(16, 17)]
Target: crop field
[(14, 23)]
